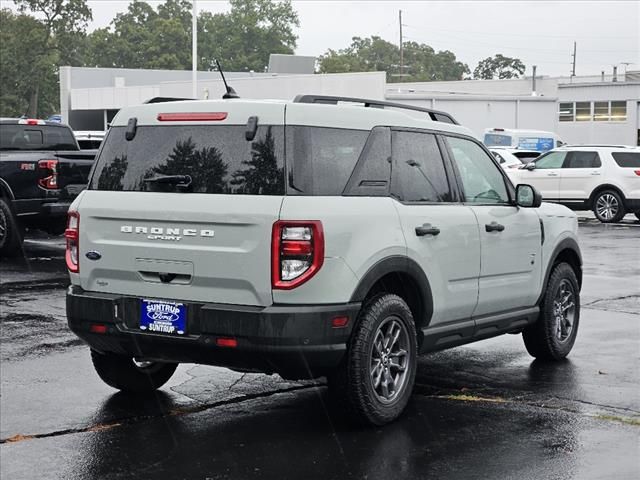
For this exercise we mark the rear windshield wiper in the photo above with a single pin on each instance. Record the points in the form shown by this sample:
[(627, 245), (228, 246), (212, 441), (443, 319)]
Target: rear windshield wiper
[(170, 179)]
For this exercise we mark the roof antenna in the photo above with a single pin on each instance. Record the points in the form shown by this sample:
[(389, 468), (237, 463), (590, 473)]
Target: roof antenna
[(231, 93)]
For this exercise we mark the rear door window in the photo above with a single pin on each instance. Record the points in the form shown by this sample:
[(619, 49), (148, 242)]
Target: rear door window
[(582, 160), (627, 159), (320, 160), (418, 169), (217, 158)]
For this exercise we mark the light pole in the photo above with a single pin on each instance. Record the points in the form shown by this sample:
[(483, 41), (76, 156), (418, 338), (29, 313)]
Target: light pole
[(194, 50)]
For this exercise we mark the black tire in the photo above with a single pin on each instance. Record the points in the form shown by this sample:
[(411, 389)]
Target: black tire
[(550, 337), (10, 232), (608, 206), (351, 386), (122, 373)]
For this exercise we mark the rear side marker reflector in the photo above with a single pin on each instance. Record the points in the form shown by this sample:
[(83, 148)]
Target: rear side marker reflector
[(340, 322), (227, 342), (192, 117), (98, 328)]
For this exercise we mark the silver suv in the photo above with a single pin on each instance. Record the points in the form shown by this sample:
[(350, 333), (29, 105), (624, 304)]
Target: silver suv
[(320, 237)]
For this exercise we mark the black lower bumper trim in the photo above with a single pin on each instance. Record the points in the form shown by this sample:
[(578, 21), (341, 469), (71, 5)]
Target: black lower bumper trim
[(296, 341)]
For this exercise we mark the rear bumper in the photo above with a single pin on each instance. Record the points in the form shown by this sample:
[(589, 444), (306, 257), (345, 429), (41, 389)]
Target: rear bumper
[(296, 341)]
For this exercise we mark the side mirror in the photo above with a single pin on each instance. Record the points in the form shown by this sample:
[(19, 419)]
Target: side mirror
[(527, 196), (530, 166)]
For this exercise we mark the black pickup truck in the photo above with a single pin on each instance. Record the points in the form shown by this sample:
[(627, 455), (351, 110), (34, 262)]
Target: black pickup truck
[(41, 171)]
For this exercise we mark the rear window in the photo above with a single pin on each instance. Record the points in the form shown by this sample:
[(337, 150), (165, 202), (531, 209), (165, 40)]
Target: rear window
[(218, 159), (526, 157), (627, 159), (320, 160), (36, 137), (494, 140)]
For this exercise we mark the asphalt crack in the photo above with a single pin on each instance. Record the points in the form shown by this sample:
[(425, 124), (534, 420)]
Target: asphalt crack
[(142, 418)]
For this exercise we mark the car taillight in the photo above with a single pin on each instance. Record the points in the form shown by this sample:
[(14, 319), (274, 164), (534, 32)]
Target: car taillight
[(637, 172), (50, 181), (72, 234), (297, 252)]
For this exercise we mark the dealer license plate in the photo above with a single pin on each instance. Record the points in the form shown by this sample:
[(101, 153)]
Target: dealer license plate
[(158, 316)]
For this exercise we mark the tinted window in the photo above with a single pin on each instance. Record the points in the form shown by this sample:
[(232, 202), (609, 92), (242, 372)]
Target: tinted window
[(320, 160), (418, 172), (627, 159), (582, 160), (526, 157), (373, 171), (32, 137), (551, 160), (218, 159), (481, 177), (494, 140)]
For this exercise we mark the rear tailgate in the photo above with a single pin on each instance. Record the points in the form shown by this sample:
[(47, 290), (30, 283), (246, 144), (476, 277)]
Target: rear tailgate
[(73, 172), (206, 240), (212, 248)]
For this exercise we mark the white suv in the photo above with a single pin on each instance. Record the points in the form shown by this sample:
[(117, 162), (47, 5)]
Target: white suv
[(602, 178), (310, 238)]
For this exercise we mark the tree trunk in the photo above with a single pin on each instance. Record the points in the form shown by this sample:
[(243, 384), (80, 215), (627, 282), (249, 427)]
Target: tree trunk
[(33, 102)]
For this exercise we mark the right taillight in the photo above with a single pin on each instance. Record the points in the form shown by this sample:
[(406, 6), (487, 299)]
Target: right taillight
[(297, 252), (637, 172), (72, 234)]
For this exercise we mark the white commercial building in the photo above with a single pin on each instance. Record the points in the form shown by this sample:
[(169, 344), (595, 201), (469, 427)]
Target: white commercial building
[(579, 109)]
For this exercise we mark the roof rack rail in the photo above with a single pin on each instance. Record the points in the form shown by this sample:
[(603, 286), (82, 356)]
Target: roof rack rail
[(596, 145), (435, 115), (166, 99)]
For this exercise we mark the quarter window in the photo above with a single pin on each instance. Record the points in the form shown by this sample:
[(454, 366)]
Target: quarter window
[(418, 172), (627, 159), (481, 177)]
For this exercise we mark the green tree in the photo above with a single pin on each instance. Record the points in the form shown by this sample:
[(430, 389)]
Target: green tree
[(34, 47), (421, 62), (243, 38), (500, 67), (262, 175)]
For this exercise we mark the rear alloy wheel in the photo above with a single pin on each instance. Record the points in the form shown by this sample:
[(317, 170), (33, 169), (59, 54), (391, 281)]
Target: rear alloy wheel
[(553, 335), (130, 375), (608, 207), (10, 233), (375, 381)]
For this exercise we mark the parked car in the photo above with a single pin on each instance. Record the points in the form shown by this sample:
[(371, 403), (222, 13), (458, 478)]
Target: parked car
[(42, 170), (602, 178), (513, 157), (537, 140), (335, 240), (89, 139)]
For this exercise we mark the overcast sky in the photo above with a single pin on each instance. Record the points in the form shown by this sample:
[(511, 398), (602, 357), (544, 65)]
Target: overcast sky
[(538, 32)]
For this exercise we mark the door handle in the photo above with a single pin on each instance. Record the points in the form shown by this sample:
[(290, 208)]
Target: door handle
[(427, 229), (552, 174), (595, 173), (494, 227)]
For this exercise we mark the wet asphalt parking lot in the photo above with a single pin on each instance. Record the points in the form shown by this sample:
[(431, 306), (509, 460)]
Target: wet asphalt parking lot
[(483, 411)]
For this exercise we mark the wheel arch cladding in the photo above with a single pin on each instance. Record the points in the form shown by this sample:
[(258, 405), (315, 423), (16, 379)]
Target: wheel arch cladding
[(567, 251), (404, 277)]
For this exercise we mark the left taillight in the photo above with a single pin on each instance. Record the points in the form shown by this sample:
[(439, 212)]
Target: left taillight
[(297, 252), (72, 234), (49, 179)]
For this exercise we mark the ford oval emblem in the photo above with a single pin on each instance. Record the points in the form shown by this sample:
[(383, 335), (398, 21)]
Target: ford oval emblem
[(93, 255)]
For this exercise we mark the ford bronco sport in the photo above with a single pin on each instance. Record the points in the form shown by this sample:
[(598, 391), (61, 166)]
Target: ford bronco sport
[(322, 236)]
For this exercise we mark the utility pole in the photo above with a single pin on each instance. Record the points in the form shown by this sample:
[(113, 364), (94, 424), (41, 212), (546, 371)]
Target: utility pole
[(194, 50), (573, 68), (401, 48)]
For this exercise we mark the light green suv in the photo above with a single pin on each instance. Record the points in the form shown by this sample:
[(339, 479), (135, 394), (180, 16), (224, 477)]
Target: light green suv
[(323, 236)]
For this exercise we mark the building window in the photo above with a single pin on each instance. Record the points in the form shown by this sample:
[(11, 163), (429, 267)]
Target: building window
[(565, 112), (619, 111), (583, 112), (601, 111)]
